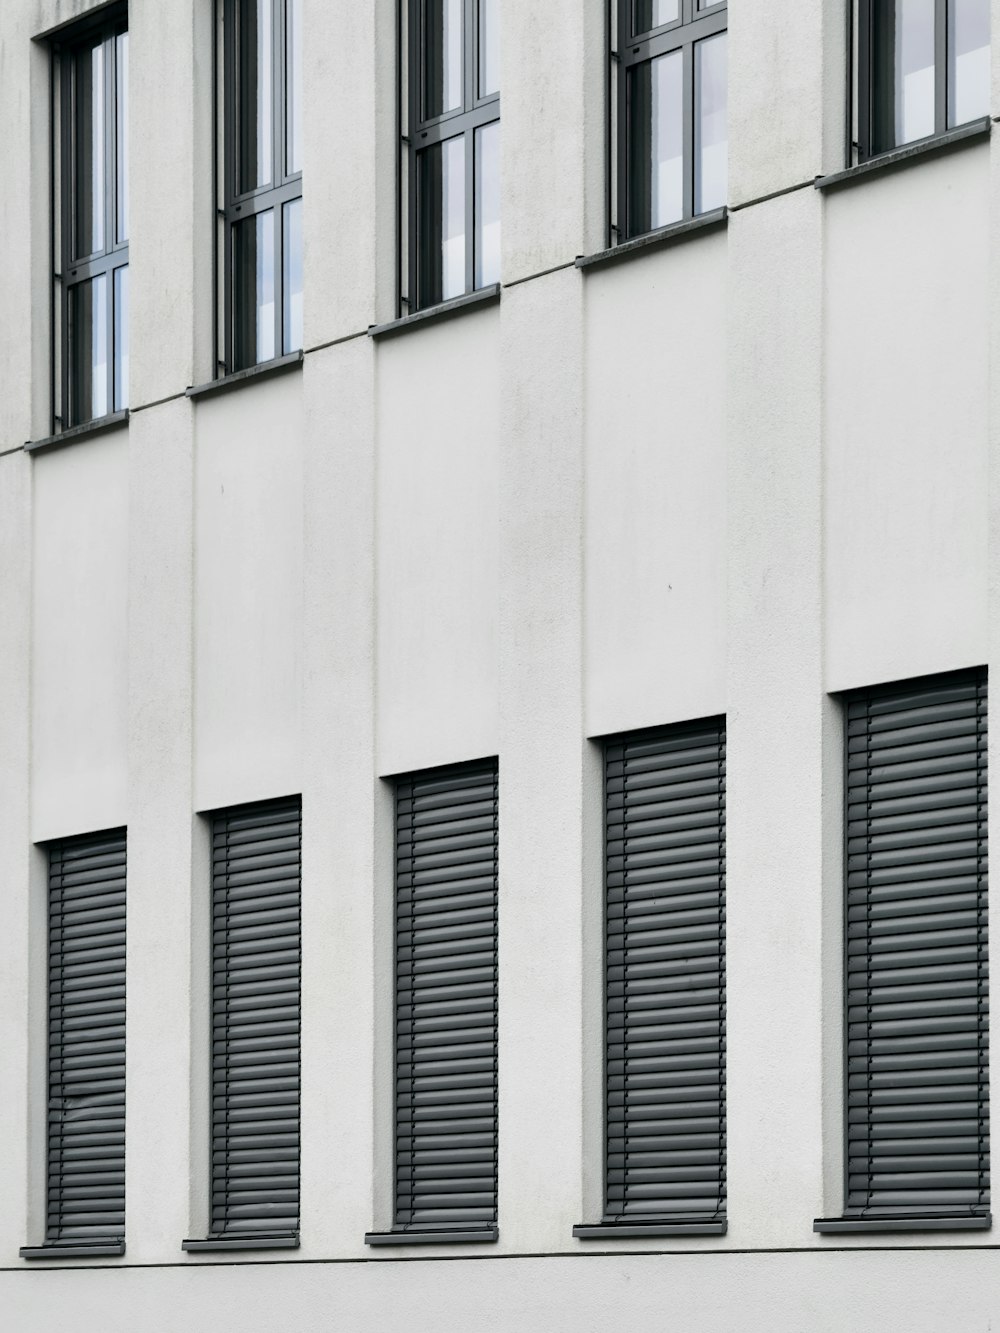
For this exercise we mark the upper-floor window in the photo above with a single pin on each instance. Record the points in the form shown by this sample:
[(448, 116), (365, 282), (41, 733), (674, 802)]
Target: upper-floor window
[(452, 193), (91, 74), (672, 139), (923, 69), (262, 213)]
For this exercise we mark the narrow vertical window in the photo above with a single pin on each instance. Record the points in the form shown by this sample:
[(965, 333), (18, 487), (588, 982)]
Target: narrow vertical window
[(92, 282), (672, 141), (665, 960), (916, 964), (446, 1006), (262, 263), (453, 149), (256, 970), (85, 1210)]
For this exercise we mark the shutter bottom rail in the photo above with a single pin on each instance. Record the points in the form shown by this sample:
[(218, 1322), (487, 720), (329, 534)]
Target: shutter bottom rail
[(436, 1236), (80, 1249), (711, 1224), (250, 1240), (957, 1221)]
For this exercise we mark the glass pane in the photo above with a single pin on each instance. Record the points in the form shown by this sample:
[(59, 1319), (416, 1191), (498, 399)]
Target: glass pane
[(291, 321), (121, 339), (711, 137), (442, 56), (88, 150), (968, 60), (903, 71), (293, 86), (488, 205), (655, 144), (651, 14), (441, 222), (253, 82), (88, 350), (121, 135), (489, 47), (253, 290)]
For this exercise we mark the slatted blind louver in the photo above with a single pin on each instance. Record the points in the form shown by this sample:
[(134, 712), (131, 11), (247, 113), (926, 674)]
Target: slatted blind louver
[(446, 1000), (666, 983), (917, 1003), (86, 1079), (256, 966)]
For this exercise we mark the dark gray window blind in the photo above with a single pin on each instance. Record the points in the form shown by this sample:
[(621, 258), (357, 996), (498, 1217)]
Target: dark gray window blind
[(86, 1039), (666, 977), (446, 1001), (256, 967), (917, 1005)]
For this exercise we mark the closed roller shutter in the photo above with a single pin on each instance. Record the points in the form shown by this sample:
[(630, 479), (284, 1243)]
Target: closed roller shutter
[(917, 1006), (446, 1000), (256, 964), (86, 1133), (666, 977)]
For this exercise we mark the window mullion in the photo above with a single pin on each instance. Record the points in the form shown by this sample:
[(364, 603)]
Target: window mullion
[(278, 94), (941, 66), (470, 52)]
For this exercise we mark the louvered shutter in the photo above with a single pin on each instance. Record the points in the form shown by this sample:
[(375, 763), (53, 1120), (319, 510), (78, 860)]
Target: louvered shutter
[(86, 1147), (917, 1007), (666, 978), (256, 965), (446, 1000)]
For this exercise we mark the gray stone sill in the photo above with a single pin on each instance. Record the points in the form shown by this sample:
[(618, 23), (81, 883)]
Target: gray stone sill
[(76, 434), (287, 1240), (653, 240), (97, 1249), (477, 1236), (636, 1231), (434, 314), (975, 131), (904, 1222), (280, 365)]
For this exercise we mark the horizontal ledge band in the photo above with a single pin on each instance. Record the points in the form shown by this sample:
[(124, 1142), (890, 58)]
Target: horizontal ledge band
[(635, 1231), (279, 365), (98, 1249), (677, 231), (905, 1222), (85, 432), (434, 313), (480, 1236), (901, 157), (286, 1240)]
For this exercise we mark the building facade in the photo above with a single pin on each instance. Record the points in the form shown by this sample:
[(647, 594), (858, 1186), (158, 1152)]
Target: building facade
[(388, 430)]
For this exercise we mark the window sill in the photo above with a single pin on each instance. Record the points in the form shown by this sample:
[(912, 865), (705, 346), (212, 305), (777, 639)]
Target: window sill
[(279, 366), (479, 1236), (677, 231), (85, 432), (435, 313), (904, 1222), (711, 1226), (902, 157), (98, 1249), (285, 1240)]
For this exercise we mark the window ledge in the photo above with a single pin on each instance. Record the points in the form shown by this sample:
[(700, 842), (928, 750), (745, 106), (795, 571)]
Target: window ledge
[(711, 1226), (904, 1222), (435, 313), (284, 1240), (901, 157), (67, 1249), (677, 231), (477, 1236), (84, 432), (280, 365)]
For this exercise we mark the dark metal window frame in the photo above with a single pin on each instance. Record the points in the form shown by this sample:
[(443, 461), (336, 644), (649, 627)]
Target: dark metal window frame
[(629, 50), (238, 205), (421, 132), (69, 270)]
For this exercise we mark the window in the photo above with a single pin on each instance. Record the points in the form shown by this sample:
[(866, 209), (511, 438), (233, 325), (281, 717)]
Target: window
[(453, 159), (256, 969), (446, 1005), (665, 960), (91, 77), (672, 137), (923, 69), (262, 214), (916, 974), (85, 1208)]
